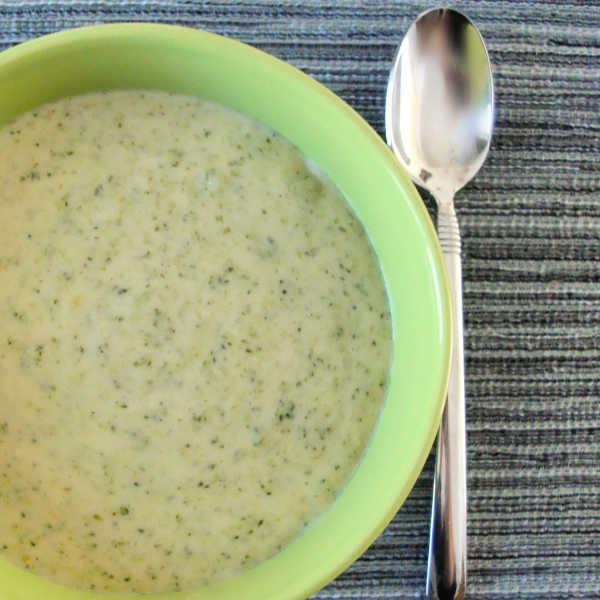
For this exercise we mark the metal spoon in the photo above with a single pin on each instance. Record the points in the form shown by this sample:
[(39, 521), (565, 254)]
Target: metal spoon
[(439, 121)]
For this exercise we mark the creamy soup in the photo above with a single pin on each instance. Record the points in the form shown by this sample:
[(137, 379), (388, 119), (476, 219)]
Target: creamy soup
[(194, 342)]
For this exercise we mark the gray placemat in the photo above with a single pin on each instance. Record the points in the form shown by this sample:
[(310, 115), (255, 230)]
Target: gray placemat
[(531, 225)]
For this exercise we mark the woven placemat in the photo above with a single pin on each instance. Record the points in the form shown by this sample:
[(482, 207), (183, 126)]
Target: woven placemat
[(531, 230)]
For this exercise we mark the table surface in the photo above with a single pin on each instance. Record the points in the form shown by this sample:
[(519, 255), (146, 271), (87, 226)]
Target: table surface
[(531, 230)]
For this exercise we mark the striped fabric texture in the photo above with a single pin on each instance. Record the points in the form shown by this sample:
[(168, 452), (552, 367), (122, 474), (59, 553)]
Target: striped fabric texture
[(531, 251)]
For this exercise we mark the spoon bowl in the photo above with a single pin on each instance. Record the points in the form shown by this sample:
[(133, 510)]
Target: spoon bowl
[(440, 101), (439, 121)]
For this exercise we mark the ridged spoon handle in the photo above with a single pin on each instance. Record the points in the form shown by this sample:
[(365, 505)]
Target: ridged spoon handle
[(446, 568)]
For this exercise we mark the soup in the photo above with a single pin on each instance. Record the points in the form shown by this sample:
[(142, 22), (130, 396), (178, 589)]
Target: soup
[(194, 342)]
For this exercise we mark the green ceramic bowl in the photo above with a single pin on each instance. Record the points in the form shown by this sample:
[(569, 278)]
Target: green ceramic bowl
[(353, 155)]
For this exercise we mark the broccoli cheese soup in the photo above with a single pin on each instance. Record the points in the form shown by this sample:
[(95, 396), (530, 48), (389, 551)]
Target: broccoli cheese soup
[(194, 342)]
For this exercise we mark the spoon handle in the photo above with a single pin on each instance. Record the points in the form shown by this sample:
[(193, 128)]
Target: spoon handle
[(446, 568)]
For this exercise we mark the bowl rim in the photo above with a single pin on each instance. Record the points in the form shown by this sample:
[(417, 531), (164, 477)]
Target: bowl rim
[(374, 147)]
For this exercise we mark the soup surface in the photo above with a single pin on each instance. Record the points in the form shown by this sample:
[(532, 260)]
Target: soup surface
[(194, 342)]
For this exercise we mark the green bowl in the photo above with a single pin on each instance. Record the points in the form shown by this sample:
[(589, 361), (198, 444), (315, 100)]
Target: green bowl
[(352, 154)]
